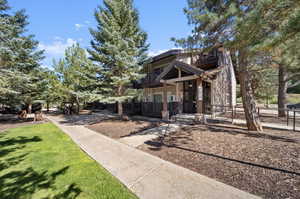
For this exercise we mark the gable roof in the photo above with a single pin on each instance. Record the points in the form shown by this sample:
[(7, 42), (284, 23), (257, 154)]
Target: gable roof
[(180, 65)]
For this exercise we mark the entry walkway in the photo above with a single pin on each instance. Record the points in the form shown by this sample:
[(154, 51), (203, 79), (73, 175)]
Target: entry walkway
[(147, 176)]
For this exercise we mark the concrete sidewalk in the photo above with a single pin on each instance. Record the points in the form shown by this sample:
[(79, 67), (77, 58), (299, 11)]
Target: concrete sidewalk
[(147, 176)]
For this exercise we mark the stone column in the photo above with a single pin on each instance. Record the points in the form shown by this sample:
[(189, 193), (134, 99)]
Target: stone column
[(179, 94), (199, 100), (213, 108), (199, 96), (165, 112), (178, 97)]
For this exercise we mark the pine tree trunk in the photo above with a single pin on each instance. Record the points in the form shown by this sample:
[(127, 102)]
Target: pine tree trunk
[(29, 108), (78, 105), (120, 105), (282, 91), (120, 109), (249, 104), (48, 106)]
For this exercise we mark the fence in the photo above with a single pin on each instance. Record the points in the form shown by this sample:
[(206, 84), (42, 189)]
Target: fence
[(149, 109), (266, 115)]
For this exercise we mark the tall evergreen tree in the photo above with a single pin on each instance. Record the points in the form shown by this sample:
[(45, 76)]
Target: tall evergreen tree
[(19, 58), (119, 47), (246, 27), (77, 76), (287, 58)]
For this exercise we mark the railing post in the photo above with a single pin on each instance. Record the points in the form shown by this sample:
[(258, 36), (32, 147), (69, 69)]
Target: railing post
[(232, 114), (287, 117), (294, 128), (235, 111)]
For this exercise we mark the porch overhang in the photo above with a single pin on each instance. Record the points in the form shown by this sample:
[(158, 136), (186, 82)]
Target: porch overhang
[(191, 72), (180, 66)]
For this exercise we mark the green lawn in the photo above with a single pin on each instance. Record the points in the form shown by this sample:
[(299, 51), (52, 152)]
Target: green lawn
[(294, 98), (41, 162)]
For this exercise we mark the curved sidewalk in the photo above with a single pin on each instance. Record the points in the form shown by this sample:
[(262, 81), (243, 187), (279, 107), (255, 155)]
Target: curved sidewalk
[(147, 176)]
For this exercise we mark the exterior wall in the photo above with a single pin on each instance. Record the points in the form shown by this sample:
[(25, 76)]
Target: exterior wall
[(150, 92), (223, 87)]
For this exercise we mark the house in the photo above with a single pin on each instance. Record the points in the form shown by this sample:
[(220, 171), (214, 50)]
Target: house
[(182, 81)]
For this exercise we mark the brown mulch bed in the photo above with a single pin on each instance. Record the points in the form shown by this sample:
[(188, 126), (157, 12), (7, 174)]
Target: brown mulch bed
[(265, 164), (117, 129)]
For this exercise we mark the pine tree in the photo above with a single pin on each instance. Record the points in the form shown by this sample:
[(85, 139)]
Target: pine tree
[(77, 76), (19, 59), (247, 27), (119, 47), (287, 58)]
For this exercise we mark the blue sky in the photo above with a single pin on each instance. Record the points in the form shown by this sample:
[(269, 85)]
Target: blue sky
[(58, 24)]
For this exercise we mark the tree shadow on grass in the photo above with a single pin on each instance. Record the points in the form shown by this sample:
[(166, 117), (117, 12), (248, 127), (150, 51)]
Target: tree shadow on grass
[(19, 140), (25, 182)]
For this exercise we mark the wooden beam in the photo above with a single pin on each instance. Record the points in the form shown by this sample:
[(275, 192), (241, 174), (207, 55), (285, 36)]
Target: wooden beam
[(165, 112), (177, 92), (179, 73), (181, 79)]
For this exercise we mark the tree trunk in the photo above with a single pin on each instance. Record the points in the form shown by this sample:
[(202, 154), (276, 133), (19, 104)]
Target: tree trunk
[(120, 109), (249, 104), (282, 90), (120, 105), (48, 107), (29, 108), (78, 105)]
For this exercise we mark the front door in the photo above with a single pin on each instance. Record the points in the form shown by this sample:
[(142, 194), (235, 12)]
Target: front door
[(189, 96)]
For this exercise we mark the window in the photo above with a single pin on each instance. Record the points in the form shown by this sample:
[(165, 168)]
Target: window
[(157, 98), (171, 98)]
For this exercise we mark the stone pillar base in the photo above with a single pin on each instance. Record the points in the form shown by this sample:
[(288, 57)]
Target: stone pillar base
[(180, 107), (200, 118), (165, 115), (197, 118)]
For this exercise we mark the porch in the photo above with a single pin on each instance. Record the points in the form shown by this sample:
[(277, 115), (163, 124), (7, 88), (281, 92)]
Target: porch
[(193, 89)]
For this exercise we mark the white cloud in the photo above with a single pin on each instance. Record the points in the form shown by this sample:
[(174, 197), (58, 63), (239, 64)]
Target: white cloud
[(79, 26), (57, 38), (57, 47)]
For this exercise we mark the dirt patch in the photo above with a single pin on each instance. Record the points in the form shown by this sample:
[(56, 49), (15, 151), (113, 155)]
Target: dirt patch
[(265, 164), (117, 129)]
